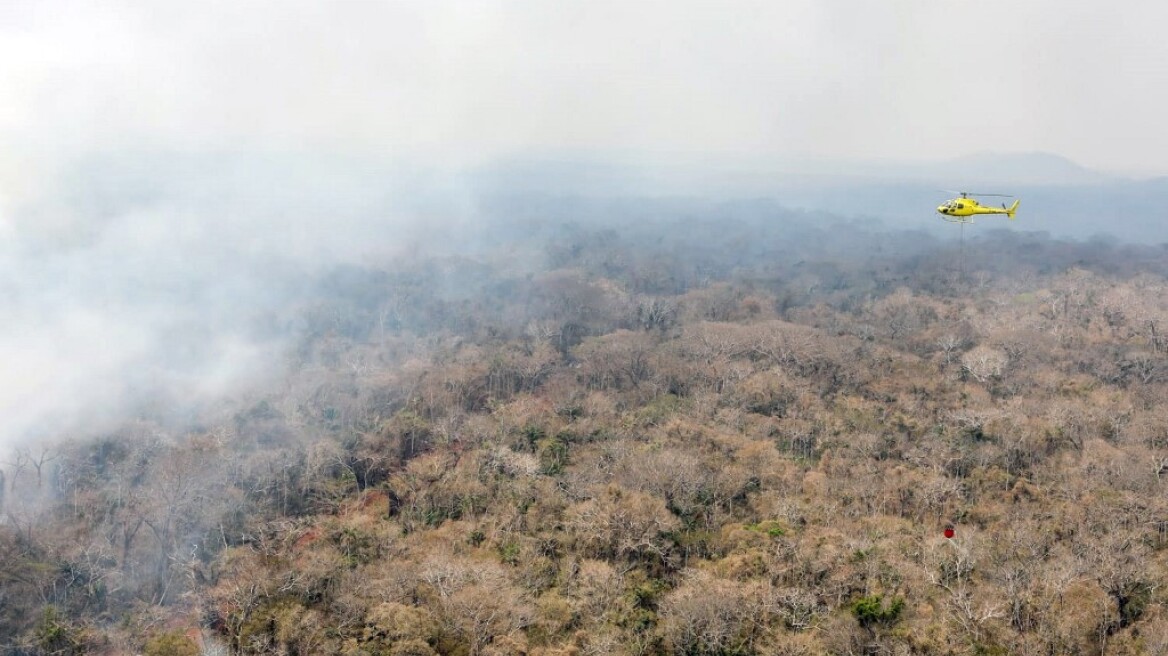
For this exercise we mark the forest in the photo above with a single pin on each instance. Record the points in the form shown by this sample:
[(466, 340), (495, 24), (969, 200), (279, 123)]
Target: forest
[(721, 431)]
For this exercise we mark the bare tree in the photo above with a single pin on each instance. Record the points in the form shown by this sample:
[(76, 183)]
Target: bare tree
[(984, 364)]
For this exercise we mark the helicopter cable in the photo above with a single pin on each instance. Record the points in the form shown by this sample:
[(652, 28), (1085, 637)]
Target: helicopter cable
[(961, 258)]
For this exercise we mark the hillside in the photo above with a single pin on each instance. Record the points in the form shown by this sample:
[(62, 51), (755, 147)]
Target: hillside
[(734, 430)]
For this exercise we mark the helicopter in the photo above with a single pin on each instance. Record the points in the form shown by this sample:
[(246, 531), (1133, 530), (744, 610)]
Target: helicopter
[(962, 210)]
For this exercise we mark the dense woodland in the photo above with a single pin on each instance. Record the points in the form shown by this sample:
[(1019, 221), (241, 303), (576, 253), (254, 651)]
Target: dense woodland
[(740, 431)]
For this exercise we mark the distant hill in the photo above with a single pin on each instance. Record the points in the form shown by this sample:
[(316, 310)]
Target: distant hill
[(1058, 195), (714, 175), (1017, 168), (1130, 210), (982, 168)]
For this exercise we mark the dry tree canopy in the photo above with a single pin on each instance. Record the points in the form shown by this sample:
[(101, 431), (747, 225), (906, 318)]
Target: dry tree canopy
[(718, 438)]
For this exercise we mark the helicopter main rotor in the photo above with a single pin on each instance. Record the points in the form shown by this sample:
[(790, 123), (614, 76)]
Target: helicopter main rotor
[(967, 194)]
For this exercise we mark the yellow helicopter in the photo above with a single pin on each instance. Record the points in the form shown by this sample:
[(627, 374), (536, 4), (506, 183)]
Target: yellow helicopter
[(962, 210)]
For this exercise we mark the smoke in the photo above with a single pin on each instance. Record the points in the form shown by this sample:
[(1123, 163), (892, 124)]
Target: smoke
[(443, 82), (157, 283)]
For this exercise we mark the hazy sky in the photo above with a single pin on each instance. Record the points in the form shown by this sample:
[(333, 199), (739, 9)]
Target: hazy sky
[(459, 81)]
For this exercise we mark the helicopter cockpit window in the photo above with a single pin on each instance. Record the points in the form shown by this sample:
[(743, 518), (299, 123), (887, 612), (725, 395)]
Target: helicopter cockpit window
[(960, 206)]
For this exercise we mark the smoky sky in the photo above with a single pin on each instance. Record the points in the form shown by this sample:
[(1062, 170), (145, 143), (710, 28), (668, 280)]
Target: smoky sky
[(171, 171), (466, 81)]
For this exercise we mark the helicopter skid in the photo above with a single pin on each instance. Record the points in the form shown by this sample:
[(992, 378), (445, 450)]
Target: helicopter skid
[(958, 219)]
